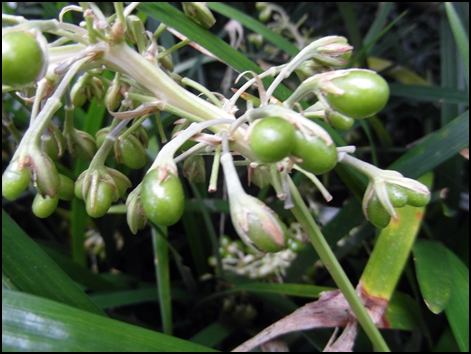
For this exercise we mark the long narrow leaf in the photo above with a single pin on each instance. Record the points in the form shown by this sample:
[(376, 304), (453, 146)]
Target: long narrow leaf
[(460, 37), (29, 269), (169, 15), (31, 323), (457, 311), (255, 26)]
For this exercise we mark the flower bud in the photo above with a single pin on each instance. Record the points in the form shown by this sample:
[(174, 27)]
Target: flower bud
[(99, 199), (53, 142), (45, 176), (194, 169), (166, 61), (130, 152), (81, 144), (141, 134), (66, 188), (121, 181), (257, 225), (135, 216), (199, 13)]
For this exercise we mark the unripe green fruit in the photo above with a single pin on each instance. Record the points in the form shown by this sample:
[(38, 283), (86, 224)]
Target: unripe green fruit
[(44, 207), (417, 199), (131, 153), (163, 202), (100, 205), (317, 157), (366, 93), (22, 59), (377, 215), (14, 181), (397, 195), (271, 139)]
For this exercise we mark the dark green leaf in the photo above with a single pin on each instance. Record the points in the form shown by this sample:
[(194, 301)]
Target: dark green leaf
[(457, 311), (29, 269), (31, 323), (433, 274)]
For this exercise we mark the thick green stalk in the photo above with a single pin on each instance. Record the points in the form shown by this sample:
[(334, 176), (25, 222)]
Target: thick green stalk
[(321, 246)]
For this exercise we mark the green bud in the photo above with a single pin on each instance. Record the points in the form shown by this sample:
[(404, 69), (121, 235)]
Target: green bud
[(199, 13), (130, 152), (166, 61), (45, 176), (121, 181), (66, 188), (194, 169), (135, 216), (53, 142), (81, 144)]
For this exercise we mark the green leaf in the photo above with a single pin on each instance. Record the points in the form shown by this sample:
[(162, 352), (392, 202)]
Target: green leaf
[(430, 93), (433, 274), (31, 323), (460, 35), (302, 290), (27, 268), (392, 249), (435, 149), (255, 26), (403, 312), (457, 311)]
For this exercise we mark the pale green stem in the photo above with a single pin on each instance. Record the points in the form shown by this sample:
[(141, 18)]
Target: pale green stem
[(213, 181)]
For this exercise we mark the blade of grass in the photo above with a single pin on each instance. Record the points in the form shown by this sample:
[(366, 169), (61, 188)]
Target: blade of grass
[(30, 270), (460, 36), (162, 270), (169, 15), (378, 23), (430, 93), (31, 323), (435, 149), (255, 26), (354, 36), (457, 311)]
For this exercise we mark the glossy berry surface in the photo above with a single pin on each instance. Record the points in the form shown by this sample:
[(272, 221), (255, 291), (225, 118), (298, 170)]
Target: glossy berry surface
[(317, 157), (163, 202), (365, 94), (22, 59), (271, 139), (377, 215)]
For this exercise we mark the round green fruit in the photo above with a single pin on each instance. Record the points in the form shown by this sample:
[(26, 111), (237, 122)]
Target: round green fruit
[(365, 94), (44, 207), (99, 206), (417, 199), (131, 153), (22, 59), (163, 202), (317, 157), (272, 139), (377, 215), (14, 181), (397, 195)]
